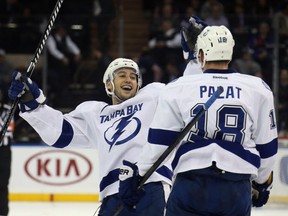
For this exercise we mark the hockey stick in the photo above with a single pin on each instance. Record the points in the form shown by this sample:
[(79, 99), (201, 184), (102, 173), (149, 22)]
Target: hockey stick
[(33, 63), (183, 133)]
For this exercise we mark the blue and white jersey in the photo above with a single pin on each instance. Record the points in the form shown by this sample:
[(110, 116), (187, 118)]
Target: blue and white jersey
[(238, 131), (192, 68), (117, 131)]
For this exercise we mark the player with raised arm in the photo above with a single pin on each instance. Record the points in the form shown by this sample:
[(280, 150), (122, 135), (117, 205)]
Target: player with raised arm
[(189, 36), (118, 131), (233, 144)]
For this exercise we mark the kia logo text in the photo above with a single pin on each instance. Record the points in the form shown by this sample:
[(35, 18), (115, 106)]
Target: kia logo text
[(58, 167)]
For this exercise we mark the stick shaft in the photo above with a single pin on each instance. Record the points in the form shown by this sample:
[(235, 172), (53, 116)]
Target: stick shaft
[(32, 64), (42, 42)]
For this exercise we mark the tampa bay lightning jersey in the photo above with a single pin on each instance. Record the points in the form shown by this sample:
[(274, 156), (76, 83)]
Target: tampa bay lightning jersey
[(238, 131), (117, 131)]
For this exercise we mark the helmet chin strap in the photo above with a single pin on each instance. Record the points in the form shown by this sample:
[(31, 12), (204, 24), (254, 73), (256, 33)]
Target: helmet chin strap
[(203, 63), (114, 94), (118, 98)]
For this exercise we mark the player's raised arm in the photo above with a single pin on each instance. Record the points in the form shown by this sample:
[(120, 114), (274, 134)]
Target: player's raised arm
[(189, 34)]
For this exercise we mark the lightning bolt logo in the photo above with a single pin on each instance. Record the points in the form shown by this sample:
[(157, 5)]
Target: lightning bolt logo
[(120, 134)]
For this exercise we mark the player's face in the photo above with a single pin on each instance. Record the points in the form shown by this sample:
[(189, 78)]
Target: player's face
[(125, 83)]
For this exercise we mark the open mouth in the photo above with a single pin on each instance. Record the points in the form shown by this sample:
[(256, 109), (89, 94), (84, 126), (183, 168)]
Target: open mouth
[(127, 88)]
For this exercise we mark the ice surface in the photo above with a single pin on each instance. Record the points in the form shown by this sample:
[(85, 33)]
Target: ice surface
[(89, 209)]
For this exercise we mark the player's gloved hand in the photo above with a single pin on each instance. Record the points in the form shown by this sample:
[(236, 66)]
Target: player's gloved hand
[(189, 36), (261, 192), (129, 182), (29, 93)]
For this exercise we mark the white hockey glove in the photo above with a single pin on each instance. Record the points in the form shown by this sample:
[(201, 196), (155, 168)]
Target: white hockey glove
[(189, 36), (28, 91)]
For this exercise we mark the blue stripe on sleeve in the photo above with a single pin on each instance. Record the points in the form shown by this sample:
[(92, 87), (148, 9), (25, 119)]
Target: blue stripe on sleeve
[(162, 137), (234, 148), (113, 176), (165, 171), (269, 149), (66, 135)]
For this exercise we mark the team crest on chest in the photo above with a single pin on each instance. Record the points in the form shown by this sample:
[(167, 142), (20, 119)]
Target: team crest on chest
[(122, 130)]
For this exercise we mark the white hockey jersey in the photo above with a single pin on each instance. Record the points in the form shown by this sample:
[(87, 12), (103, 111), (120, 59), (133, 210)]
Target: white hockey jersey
[(192, 68), (117, 131), (238, 131)]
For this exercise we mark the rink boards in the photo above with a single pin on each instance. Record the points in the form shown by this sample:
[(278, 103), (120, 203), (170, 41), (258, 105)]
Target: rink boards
[(41, 173)]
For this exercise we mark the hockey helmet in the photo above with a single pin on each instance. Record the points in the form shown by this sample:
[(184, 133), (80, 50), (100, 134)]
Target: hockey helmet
[(217, 44), (116, 65)]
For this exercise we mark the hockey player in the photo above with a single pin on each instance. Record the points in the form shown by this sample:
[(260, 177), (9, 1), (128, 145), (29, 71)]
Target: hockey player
[(118, 131), (5, 154), (233, 143)]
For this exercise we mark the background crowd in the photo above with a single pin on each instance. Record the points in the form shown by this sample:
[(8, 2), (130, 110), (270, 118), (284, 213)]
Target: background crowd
[(94, 32)]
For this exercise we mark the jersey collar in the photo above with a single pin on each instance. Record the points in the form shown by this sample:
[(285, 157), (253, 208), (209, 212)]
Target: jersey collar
[(220, 71)]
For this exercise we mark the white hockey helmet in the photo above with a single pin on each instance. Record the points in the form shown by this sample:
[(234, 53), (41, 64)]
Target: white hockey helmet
[(116, 65), (217, 44)]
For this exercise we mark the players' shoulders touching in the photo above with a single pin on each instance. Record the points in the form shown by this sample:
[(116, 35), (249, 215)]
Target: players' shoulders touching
[(183, 80), (151, 87)]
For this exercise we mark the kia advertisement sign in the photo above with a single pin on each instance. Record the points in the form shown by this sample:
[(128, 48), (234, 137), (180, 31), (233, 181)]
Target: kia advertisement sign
[(58, 167), (38, 169)]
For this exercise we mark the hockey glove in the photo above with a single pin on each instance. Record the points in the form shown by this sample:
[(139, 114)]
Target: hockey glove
[(261, 192), (29, 93), (189, 36), (129, 182)]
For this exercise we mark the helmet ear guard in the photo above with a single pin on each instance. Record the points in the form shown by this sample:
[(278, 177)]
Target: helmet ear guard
[(116, 65), (217, 44)]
